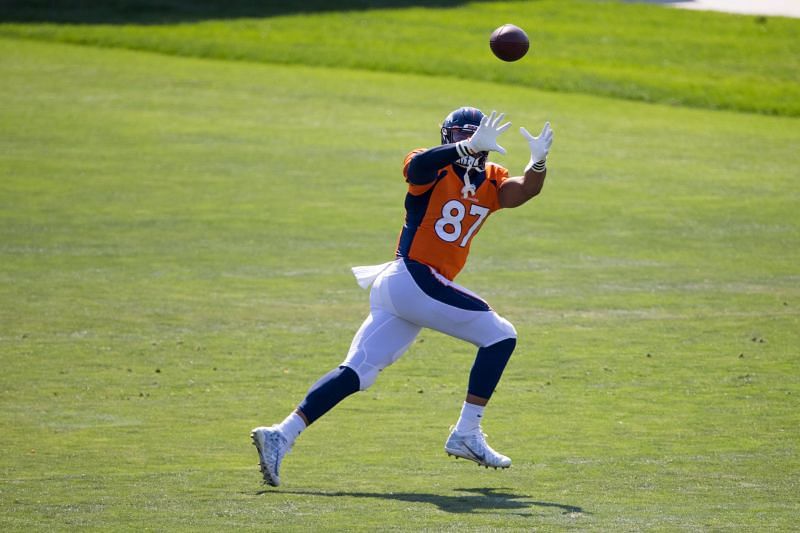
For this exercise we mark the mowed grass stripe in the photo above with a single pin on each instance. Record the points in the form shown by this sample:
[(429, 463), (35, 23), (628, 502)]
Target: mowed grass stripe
[(619, 49)]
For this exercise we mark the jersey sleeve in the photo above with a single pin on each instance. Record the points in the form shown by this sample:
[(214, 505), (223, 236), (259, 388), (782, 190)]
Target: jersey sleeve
[(497, 173), (415, 190)]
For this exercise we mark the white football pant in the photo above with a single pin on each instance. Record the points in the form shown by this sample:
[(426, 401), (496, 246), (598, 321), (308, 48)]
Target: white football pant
[(400, 308)]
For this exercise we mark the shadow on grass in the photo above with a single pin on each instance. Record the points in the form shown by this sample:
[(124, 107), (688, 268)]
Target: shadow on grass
[(474, 500), (174, 11)]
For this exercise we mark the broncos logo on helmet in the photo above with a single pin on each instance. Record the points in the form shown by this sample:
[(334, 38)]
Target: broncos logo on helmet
[(460, 125)]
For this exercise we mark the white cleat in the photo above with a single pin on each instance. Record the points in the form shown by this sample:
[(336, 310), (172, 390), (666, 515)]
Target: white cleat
[(271, 446), (473, 446)]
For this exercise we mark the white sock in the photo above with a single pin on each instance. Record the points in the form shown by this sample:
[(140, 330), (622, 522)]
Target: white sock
[(470, 419), (291, 427)]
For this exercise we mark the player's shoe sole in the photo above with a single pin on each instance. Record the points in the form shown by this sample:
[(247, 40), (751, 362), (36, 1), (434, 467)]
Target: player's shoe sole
[(271, 446), (473, 447)]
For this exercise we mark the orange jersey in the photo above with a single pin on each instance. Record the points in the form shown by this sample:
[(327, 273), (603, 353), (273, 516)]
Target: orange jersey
[(440, 223)]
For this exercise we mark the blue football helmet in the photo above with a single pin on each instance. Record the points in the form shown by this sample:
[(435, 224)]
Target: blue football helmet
[(460, 125)]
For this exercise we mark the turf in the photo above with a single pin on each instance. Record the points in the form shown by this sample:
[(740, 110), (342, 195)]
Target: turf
[(625, 50), (175, 238)]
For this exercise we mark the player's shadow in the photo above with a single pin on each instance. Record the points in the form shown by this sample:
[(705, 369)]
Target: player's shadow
[(474, 500)]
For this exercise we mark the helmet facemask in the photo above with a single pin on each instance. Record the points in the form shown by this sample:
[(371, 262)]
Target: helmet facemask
[(454, 134)]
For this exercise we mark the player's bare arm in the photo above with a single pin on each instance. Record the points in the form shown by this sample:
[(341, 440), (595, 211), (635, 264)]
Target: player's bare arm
[(516, 191)]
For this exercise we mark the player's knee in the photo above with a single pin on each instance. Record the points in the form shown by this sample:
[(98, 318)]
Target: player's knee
[(504, 329), (367, 374), (491, 328), (368, 377), (368, 362)]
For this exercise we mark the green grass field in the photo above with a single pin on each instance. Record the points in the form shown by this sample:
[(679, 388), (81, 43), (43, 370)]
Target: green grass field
[(175, 241), (630, 51)]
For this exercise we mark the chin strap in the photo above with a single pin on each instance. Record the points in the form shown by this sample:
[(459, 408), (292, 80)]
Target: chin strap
[(470, 159), (468, 189)]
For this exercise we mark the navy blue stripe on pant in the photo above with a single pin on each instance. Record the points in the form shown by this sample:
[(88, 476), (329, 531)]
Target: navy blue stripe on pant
[(433, 287)]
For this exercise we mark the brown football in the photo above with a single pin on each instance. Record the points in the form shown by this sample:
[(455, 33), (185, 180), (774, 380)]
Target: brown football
[(509, 42)]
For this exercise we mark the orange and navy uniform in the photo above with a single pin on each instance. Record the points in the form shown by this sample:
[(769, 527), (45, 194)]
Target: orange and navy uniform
[(440, 222)]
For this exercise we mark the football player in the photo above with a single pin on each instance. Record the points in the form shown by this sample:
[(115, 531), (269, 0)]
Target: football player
[(452, 190)]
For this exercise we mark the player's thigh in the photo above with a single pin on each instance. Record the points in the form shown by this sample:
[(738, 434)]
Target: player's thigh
[(379, 342), (423, 297), (481, 328)]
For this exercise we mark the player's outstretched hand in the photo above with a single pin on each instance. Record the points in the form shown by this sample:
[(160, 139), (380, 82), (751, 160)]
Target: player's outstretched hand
[(485, 137), (540, 146)]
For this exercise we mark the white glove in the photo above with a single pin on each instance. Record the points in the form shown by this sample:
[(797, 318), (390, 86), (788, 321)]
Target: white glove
[(540, 146), (485, 137)]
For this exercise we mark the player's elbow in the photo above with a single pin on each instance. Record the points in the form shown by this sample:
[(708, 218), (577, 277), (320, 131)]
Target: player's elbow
[(413, 174), (419, 172), (536, 189)]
